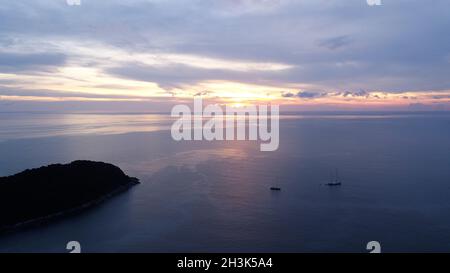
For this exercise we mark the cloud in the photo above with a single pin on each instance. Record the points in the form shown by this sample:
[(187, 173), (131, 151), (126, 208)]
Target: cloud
[(441, 97), (335, 42), (180, 75), (343, 46), (14, 62), (20, 92), (202, 93), (360, 93), (307, 95), (288, 95), (310, 95)]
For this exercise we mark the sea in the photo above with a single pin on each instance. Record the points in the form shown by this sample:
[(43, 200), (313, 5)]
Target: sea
[(214, 196)]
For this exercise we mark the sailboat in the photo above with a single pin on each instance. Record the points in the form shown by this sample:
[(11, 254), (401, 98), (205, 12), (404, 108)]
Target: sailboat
[(275, 188), (335, 181)]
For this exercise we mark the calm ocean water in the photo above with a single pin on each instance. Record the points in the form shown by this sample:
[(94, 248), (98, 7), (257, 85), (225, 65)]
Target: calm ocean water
[(214, 196)]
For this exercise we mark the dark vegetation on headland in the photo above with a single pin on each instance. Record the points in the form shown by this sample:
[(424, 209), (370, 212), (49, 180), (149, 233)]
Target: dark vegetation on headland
[(38, 195)]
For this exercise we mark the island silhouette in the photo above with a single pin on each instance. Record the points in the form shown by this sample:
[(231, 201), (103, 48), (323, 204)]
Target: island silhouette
[(39, 195)]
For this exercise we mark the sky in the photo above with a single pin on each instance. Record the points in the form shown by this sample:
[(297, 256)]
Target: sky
[(146, 55)]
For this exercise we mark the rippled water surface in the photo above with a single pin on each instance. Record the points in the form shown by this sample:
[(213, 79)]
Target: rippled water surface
[(214, 196)]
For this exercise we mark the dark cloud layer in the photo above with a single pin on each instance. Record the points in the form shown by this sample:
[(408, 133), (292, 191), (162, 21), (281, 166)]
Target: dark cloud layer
[(306, 94), (335, 42), (15, 62)]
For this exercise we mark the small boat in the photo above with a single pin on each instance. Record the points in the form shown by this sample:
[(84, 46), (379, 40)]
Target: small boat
[(335, 181), (275, 189)]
